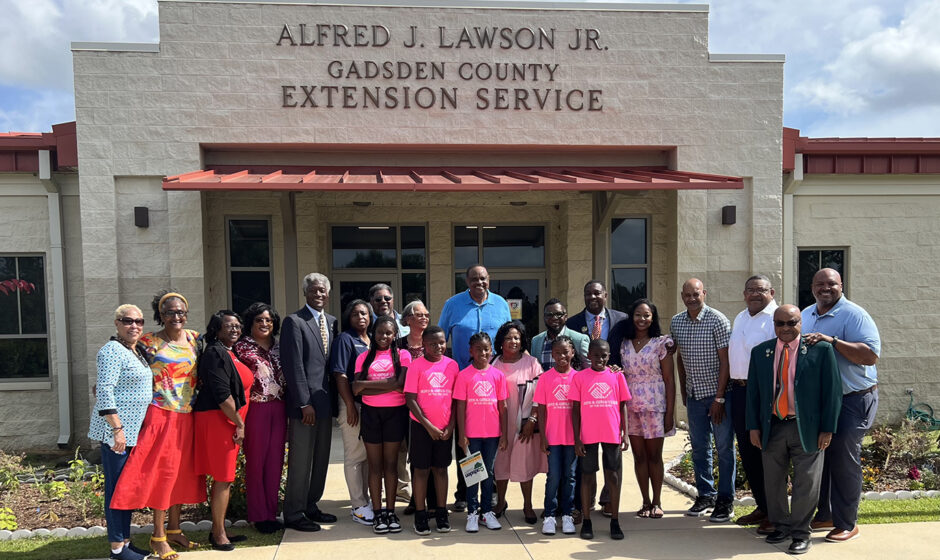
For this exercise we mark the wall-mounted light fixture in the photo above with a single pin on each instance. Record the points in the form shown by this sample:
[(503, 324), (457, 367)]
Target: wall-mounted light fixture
[(141, 216), (728, 215)]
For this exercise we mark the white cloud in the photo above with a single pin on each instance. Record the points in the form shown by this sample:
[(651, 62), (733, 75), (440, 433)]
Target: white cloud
[(39, 112)]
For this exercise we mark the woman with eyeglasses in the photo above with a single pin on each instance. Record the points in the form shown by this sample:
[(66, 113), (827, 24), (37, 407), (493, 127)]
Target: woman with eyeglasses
[(159, 473), (123, 390), (266, 422), (221, 407)]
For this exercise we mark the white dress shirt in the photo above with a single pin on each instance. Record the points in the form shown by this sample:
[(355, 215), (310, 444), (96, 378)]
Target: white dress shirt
[(746, 333)]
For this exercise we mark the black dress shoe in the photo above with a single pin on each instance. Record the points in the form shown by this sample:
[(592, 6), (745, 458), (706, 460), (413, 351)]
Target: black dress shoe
[(321, 517), (237, 538), (799, 546), (226, 547), (777, 537), (302, 524)]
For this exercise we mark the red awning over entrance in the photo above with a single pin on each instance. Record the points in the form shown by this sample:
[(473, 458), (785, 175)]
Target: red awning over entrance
[(444, 179)]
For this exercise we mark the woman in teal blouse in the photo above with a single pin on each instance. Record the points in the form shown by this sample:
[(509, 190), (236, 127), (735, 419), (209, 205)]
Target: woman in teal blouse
[(123, 390)]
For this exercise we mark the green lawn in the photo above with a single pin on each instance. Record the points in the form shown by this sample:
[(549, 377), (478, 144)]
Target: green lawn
[(97, 547), (886, 511)]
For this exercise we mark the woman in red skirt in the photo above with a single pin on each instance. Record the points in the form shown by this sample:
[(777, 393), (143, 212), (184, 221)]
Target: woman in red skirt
[(220, 408), (159, 471)]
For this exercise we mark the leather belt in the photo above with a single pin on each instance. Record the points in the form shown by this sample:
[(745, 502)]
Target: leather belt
[(862, 392), (739, 382)]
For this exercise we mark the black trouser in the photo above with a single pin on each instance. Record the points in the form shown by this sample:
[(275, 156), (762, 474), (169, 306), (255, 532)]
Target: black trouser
[(460, 495), (750, 456)]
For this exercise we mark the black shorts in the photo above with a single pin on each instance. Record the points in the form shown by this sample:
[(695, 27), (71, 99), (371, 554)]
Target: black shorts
[(426, 452), (610, 454), (383, 424)]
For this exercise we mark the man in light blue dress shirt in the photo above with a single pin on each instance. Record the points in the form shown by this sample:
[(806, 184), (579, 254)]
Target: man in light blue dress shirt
[(854, 337)]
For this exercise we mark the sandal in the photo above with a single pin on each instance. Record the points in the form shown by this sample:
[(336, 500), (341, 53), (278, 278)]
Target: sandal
[(171, 555), (190, 546), (644, 511), (656, 512)]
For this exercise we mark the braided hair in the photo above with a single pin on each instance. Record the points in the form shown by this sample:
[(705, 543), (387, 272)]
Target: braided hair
[(363, 374)]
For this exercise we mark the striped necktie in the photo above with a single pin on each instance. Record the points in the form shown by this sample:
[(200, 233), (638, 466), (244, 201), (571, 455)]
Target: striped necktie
[(596, 330)]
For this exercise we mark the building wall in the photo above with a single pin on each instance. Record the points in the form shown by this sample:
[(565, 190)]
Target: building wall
[(890, 228), (217, 80), (29, 412)]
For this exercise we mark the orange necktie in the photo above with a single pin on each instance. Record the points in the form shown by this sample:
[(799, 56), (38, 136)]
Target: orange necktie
[(783, 401)]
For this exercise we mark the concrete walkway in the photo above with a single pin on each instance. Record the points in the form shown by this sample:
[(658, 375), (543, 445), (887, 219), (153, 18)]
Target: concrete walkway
[(673, 537)]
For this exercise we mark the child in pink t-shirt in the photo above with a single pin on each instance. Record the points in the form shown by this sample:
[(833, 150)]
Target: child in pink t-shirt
[(380, 378), (599, 418), (557, 434), (480, 393), (429, 392)]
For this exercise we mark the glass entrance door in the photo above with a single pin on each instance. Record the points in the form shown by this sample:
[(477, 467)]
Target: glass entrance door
[(347, 287), (523, 293)]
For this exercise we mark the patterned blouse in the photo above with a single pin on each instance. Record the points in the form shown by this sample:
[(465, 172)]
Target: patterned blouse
[(644, 374), (174, 371), (265, 365), (124, 388)]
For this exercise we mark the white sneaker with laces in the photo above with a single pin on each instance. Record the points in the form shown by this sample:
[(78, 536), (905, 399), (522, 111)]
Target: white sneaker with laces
[(473, 522), (548, 526), (567, 525), (363, 515), (489, 518)]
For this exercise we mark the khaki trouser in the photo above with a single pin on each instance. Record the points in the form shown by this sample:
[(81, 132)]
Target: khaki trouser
[(355, 466)]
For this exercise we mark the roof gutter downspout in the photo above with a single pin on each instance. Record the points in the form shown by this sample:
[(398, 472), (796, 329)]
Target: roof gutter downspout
[(791, 184), (60, 326)]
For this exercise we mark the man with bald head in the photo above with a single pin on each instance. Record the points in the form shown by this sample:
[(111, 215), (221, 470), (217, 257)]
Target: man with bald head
[(702, 335), (856, 342), (794, 394)]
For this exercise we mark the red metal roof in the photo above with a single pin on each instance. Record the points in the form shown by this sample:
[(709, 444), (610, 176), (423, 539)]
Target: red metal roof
[(862, 155), (19, 151), (445, 179)]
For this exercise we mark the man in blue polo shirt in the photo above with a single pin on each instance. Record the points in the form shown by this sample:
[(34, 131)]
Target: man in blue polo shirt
[(854, 337), (464, 315)]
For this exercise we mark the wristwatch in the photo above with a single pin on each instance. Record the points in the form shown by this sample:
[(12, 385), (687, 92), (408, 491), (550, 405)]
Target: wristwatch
[(720, 400), (834, 340)]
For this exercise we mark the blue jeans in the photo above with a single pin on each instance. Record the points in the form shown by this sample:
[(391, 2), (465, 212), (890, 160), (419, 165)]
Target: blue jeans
[(118, 520), (561, 472), (487, 448), (701, 430)]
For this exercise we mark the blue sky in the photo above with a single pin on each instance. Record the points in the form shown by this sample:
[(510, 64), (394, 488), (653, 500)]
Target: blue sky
[(854, 67)]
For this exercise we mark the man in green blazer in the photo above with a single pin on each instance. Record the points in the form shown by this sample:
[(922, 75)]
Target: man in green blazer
[(794, 393), (555, 315)]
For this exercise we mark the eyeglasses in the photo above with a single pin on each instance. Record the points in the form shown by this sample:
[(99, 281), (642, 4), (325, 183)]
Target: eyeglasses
[(264, 320), (790, 323), (421, 315), (760, 291), (128, 321), (555, 315), (235, 327), (175, 313), (382, 298)]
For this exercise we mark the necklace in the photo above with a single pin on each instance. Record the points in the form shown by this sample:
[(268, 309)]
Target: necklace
[(639, 343)]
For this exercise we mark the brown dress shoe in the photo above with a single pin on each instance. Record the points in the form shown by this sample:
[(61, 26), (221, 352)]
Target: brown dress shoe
[(766, 527), (841, 535), (821, 525), (752, 518)]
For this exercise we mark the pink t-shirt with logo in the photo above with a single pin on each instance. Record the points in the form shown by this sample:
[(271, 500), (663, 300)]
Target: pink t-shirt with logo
[(600, 394), (482, 389), (383, 368), (433, 383), (552, 391)]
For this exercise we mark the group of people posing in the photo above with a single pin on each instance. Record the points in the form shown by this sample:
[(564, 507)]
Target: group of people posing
[(173, 406)]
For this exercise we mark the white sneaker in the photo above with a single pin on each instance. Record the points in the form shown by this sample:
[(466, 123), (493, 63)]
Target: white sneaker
[(567, 525), (363, 515), (489, 518), (548, 526), (473, 522)]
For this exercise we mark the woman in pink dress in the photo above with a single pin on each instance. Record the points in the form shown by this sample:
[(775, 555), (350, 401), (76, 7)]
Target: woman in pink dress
[(523, 459), (647, 366)]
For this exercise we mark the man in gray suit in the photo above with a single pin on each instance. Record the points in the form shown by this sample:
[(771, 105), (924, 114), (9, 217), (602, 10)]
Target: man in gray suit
[(306, 337)]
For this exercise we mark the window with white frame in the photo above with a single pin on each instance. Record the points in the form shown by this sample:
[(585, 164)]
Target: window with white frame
[(24, 333)]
